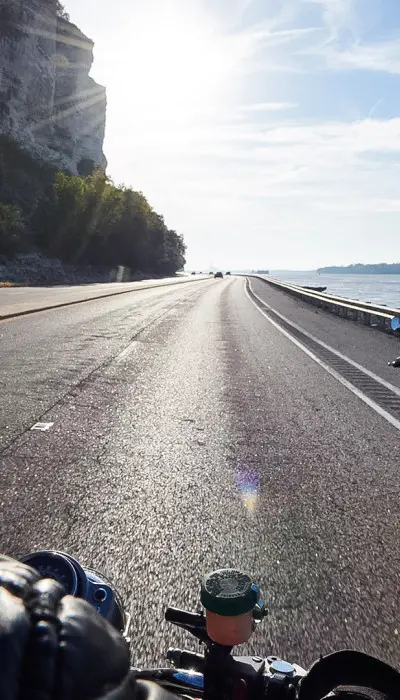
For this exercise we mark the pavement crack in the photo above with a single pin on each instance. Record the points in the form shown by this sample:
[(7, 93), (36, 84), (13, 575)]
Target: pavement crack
[(85, 379)]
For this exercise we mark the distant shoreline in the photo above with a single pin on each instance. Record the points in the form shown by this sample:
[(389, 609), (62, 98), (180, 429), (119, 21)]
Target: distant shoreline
[(359, 269)]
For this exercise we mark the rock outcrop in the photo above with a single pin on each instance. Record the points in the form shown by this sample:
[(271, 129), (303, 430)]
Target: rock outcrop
[(34, 269), (48, 101)]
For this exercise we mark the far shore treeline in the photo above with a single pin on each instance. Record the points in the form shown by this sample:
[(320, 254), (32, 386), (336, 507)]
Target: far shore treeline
[(83, 220), (360, 269)]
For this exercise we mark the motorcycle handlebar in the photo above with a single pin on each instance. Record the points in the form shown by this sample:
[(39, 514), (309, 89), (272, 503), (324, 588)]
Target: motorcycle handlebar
[(197, 675), (195, 623), (184, 618)]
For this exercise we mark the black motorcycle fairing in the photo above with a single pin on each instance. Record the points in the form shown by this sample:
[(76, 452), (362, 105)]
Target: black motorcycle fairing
[(349, 668)]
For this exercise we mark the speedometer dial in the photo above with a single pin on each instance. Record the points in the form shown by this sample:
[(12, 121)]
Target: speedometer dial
[(56, 566)]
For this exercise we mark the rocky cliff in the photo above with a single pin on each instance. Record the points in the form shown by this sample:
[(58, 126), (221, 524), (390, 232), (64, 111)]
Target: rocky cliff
[(48, 102)]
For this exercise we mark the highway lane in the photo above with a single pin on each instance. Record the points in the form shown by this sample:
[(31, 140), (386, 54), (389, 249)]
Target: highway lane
[(20, 300), (190, 434), (367, 346), (46, 354)]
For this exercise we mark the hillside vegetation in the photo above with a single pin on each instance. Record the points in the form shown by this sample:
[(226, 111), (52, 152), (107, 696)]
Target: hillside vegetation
[(84, 220)]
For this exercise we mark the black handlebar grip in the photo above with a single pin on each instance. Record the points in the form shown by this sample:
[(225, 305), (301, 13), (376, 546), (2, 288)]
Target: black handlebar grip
[(184, 618), (186, 659)]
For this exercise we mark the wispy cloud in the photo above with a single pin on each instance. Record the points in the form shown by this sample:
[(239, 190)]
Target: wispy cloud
[(375, 107), (336, 12), (382, 57), (324, 161), (263, 50), (349, 43), (268, 106)]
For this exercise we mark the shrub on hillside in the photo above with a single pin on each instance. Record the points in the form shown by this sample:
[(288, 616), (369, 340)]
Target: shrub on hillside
[(23, 178), (12, 230)]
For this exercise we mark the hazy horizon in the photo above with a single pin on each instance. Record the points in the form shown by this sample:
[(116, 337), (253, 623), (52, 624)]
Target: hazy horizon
[(260, 132), (297, 269)]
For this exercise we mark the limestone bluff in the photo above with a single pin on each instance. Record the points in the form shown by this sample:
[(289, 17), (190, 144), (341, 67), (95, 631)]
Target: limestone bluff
[(48, 101)]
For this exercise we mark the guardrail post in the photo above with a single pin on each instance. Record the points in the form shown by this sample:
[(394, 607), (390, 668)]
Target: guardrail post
[(365, 318), (381, 320)]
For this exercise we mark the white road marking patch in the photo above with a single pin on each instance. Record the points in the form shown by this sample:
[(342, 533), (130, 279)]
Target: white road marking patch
[(42, 426), (127, 351), (375, 407)]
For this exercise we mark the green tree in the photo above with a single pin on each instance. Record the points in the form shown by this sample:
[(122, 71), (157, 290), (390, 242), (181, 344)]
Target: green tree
[(175, 253), (12, 230), (57, 218), (128, 243), (101, 210), (23, 178)]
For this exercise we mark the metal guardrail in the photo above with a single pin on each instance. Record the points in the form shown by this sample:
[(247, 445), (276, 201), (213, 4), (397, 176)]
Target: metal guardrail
[(363, 312)]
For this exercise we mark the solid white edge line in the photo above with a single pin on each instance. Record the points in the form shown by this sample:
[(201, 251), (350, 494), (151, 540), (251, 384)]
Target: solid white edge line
[(375, 407), (366, 371)]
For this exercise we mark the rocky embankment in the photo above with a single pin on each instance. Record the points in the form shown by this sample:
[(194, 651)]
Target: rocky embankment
[(35, 269)]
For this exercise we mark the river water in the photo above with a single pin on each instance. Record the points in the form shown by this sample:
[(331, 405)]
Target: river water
[(378, 289)]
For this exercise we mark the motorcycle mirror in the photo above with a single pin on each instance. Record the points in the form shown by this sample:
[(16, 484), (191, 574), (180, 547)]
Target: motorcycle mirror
[(395, 323)]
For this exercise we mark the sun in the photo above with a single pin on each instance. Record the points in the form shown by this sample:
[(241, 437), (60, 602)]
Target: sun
[(176, 62)]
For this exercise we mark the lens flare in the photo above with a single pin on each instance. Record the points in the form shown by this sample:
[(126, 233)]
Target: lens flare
[(248, 485)]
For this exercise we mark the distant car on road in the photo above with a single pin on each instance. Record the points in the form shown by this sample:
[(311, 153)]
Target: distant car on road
[(218, 275), (228, 273)]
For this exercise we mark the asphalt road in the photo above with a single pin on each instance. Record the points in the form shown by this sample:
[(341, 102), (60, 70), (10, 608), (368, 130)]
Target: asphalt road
[(189, 434), (20, 300), (365, 345)]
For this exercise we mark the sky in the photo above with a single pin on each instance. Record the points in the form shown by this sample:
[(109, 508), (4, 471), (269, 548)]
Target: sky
[(267, 132)]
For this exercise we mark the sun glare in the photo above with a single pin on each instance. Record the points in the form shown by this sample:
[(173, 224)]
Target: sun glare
[(176, 60)]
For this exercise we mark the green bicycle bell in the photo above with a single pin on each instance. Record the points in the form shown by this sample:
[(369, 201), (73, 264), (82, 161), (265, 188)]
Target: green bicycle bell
[(229, 598)]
